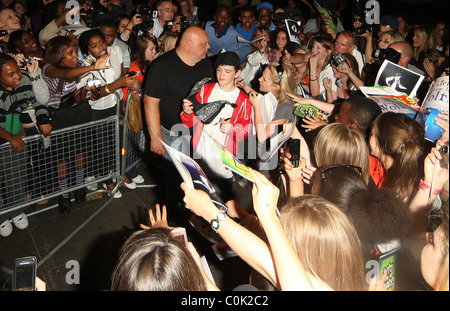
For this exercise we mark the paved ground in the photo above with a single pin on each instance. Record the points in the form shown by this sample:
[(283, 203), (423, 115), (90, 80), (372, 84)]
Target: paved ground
[(91, 236), (96, 230)]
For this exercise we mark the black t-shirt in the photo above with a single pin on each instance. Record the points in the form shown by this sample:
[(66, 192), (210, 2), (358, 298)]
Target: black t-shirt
[(171, 80)]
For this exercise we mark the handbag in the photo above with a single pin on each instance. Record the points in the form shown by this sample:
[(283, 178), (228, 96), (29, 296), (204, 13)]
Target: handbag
[(135, 122)]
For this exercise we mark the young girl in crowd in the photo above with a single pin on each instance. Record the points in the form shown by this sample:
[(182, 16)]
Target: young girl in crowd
[(423, 39), (61, 73), (398, 142), (23, 42), (381, 219), (103, 99), (347, 77), (258, 58), (319, 65), (278, 41), (335, 144), (143, 50)]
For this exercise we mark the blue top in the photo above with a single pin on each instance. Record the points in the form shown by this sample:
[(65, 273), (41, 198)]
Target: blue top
[(247, 35), (226, 40)]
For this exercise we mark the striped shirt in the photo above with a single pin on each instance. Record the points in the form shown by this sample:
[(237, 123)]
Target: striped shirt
[(20, 99), (52, 84)]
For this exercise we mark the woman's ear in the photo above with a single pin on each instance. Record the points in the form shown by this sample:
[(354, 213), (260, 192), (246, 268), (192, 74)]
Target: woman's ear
[(276, 88)]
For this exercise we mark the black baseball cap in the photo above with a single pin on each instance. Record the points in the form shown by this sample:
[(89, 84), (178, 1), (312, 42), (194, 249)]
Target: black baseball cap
[(228, 58)]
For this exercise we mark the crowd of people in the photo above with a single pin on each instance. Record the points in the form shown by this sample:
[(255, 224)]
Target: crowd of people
[(366, 182)]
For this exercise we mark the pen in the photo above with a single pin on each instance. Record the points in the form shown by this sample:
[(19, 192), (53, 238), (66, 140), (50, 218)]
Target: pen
[(224, 120)]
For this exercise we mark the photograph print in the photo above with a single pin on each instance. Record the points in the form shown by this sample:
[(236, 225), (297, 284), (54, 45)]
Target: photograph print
[(398, 78)]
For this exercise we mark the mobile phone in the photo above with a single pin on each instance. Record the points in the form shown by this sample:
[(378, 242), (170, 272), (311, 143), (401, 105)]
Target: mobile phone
[(95, 83), (294, 150), (133, 73), (3, 33), (180, 233), (25, 274)]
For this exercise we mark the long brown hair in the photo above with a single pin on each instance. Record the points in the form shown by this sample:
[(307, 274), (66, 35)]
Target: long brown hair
[(151, 260), (138, 48), (401, 138)]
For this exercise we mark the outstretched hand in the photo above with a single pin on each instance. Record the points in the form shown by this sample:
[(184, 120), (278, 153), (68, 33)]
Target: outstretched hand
[(160, 221)]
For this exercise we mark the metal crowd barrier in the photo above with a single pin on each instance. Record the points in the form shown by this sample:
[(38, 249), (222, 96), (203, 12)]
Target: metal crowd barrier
[(104, 148)]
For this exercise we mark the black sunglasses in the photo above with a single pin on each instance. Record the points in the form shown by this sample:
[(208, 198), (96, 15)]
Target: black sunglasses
[(326, 170)]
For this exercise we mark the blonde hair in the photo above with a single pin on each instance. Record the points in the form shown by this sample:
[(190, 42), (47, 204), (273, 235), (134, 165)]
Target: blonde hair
[(338, 143), (325, 240), (167, 41), (395, 35), (429, 41), (287, 83), (442, 283)]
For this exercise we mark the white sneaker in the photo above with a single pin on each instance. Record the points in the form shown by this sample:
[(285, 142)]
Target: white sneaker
[(138, 179), (6, 228), (117, 194), (131, 185), (21, 221)]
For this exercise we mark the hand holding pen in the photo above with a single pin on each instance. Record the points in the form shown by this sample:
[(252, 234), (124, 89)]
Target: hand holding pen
[(225, 125)]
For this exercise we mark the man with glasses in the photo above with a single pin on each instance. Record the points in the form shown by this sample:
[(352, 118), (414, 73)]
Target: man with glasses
[(165, 14)]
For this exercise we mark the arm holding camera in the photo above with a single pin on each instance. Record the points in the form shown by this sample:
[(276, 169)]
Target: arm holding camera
[(135, 20), (435, 182), (369, 46), (344, 68)]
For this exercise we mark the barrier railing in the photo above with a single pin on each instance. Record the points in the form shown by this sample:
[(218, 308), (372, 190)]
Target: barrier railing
[(99, 150)]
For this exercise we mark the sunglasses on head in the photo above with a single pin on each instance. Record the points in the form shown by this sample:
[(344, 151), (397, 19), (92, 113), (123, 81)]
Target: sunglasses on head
[(280, 71), (325, 171)]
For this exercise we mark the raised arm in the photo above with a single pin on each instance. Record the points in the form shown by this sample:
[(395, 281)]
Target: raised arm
[(289, 269), (246, 244)]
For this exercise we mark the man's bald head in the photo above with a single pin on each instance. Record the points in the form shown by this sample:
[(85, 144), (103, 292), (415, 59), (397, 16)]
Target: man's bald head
[(194, 44)]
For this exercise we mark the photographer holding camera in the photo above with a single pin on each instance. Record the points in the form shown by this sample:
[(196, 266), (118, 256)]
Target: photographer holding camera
[(165, 14)]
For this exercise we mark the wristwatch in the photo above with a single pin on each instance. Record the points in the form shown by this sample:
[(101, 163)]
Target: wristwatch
[(215, 222)]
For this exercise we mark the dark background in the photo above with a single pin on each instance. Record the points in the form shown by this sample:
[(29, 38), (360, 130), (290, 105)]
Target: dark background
[(419, 11)]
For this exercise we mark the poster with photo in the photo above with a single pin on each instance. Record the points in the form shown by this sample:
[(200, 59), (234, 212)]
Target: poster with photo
[(293, 28), (398, 78)]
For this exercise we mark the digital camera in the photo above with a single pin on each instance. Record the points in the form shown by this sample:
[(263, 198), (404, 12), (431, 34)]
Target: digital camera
[(337, 59), (146, 14), (279, 18), (362, 29), (389, 54)]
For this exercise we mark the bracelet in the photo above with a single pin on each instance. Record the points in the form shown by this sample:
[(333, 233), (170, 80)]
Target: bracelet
[(426, 188), (107, 89), (313, 79), (128, 29)]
